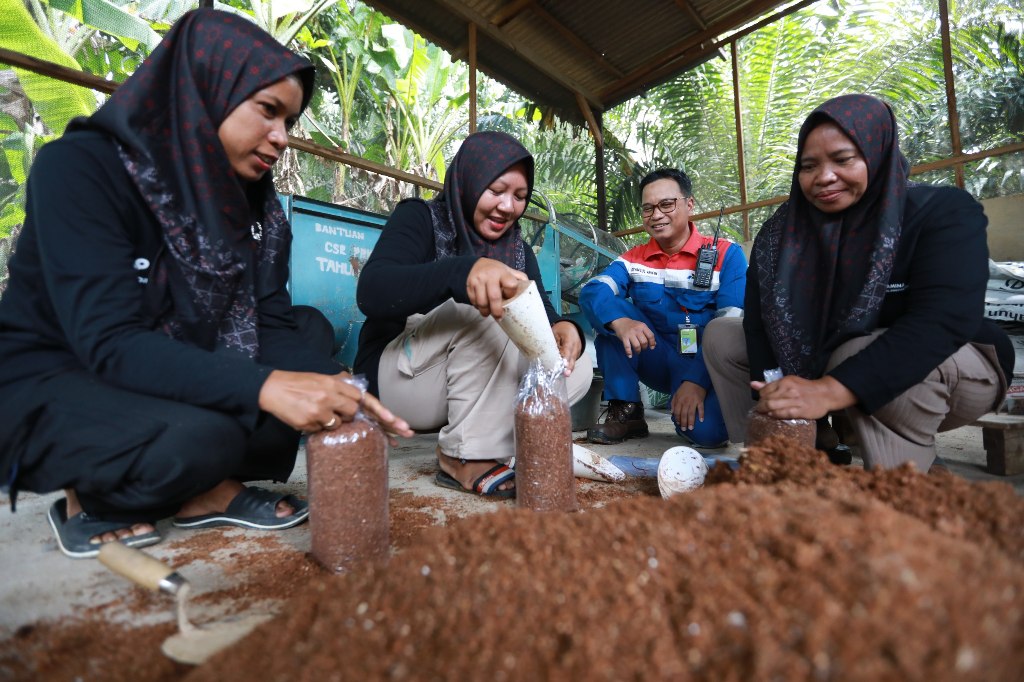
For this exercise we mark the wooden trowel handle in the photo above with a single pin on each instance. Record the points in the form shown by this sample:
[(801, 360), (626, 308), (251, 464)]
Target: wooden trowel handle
[(140, 568)]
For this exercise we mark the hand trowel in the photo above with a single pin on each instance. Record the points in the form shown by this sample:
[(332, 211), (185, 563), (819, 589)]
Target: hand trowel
[(192, 644)]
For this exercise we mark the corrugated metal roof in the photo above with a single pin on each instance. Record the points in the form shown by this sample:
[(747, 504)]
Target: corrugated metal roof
[(556, 51)]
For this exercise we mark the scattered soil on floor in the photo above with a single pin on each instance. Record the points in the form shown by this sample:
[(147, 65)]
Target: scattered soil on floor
[(89, 649), (411, 514), (595, 494), (787, 568)]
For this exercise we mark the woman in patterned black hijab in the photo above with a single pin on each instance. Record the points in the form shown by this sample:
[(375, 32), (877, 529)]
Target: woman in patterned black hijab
[(151, 361), (166, 120), (868, 292)]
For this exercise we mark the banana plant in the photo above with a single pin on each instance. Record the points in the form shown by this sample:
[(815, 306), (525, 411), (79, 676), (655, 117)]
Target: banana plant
[(55, 102), (282, 19), (355, 59), (422, 109), (105, 16)]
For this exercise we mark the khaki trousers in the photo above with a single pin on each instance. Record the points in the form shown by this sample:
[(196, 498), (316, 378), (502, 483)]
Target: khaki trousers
[(455, 371), (965, 386)]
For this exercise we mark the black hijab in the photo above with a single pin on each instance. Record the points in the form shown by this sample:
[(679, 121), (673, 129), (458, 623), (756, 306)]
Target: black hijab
[(482, 157), (225, 240), (823, 276)]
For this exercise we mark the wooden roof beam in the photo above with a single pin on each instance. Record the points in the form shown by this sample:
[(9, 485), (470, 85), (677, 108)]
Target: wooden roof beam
[(665, 60), (576, 41), (510, 12), (693, 13), (588, 114), (680, 49), (497, 34)]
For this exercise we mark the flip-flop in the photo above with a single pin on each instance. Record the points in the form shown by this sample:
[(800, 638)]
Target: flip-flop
[(485, 486), (252, 508), (73, 533)]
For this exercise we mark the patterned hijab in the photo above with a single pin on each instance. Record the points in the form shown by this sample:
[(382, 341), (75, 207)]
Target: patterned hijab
[(225, 240), (482, 157), (823, 276)]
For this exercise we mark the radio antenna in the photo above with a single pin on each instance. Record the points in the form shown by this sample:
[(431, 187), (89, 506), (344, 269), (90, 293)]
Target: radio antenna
[(721, 212)]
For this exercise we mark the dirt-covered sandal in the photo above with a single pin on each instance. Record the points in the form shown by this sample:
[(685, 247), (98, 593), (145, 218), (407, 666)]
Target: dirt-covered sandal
[(251, 508), (488, 485), (73, 534)]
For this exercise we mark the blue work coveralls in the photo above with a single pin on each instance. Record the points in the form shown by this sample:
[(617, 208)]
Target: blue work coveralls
[(650, 286)]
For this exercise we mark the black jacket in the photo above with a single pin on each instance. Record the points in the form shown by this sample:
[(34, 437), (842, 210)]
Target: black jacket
[(76, 299), (934, 303), (402, 277)]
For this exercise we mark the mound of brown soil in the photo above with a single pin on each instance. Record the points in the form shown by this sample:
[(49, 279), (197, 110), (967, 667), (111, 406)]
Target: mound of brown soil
[(786, 569)]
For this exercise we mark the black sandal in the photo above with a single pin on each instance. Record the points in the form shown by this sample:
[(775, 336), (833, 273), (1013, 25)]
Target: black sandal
[(254, 508), (74, 534)]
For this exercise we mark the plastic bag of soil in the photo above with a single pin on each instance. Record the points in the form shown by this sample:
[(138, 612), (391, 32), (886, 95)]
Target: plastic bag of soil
[(543, 433), (760, 426), (347, 470)]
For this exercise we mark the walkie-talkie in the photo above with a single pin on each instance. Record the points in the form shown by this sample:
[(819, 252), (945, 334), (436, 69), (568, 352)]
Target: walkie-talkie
[(706, 258)]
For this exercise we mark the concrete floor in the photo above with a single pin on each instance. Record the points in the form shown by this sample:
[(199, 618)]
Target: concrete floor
[(41, 584)]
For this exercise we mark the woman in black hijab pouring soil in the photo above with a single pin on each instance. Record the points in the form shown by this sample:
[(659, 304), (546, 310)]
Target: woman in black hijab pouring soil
[(150, 358), (431, 292), (868, 292)]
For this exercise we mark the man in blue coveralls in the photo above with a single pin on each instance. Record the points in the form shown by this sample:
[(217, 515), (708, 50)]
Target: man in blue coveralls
[(649, 312)]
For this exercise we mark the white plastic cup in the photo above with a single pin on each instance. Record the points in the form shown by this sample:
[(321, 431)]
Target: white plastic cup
[(526, 324)]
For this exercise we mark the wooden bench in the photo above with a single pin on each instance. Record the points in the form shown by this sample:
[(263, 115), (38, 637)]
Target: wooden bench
[(1003, 439)]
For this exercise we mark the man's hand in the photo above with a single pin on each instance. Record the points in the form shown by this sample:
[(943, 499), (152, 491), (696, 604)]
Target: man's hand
[(489, 283), (793, 397), (634, 335), (570, 345), (688, 405)]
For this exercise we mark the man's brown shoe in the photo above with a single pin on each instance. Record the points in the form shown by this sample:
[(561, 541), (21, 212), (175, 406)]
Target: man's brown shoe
[(622, 420)]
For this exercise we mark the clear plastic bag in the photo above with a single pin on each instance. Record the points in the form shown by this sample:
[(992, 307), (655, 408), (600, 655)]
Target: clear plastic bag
[(543, 433), (760, 426), (347, 470)]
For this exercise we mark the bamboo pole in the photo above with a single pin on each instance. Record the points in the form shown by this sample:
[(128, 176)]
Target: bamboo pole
[(472, 78), (56, 71), (947, 67), (88, 80), (602, 189), (738, 114), (359, 162)]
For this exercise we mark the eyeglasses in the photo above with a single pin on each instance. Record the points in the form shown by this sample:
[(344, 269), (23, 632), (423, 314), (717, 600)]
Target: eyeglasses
[(666, 206)]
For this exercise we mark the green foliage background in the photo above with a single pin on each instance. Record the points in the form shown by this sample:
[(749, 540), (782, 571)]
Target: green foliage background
[(391, 97)]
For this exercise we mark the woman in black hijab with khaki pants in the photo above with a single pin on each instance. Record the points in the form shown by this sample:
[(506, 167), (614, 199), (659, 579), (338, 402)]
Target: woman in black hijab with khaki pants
[(432, 292), (150, 358), (868, 292)]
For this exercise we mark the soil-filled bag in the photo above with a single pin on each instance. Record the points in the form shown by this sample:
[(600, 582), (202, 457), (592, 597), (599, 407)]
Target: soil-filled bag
[(543, 433), (761, 426), (348, 492)]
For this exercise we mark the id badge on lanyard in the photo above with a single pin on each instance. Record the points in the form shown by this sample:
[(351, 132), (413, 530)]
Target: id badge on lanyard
[(687, 338)]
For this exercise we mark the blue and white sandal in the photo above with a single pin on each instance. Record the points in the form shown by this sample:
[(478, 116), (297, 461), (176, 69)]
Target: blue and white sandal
[(488, 485)]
